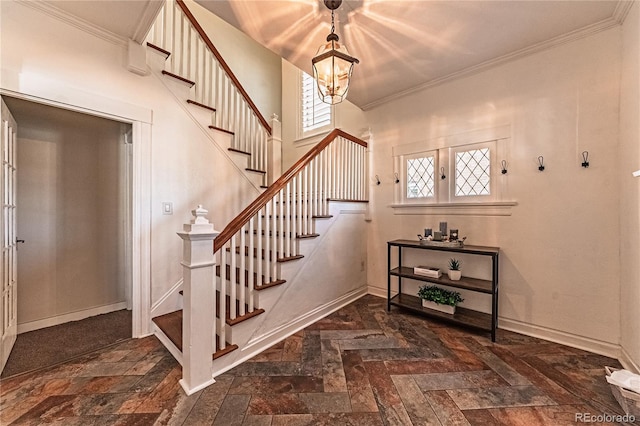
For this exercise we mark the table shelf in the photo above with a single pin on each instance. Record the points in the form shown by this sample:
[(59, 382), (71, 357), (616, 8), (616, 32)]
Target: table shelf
[(463, 316)]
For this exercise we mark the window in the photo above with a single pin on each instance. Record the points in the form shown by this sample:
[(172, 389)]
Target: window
[(457, 173), (315, 114), (473, 172), (420, 177)]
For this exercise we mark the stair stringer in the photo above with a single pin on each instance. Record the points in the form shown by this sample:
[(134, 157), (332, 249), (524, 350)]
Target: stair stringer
[(181, 92), (331, 275)]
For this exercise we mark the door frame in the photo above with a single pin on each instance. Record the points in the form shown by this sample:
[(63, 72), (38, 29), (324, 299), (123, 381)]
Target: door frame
[(139, 233)]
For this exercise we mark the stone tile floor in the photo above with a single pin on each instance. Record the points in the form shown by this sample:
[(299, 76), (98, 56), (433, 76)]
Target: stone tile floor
[(359, 366)]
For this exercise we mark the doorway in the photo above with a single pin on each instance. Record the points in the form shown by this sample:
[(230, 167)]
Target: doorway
[(74, 215)]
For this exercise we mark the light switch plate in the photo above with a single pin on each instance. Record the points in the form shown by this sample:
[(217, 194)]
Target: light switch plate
[(167, 208)]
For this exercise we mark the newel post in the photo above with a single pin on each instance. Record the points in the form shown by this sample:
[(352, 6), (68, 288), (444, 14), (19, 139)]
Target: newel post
[(274, 151), (198, 266)]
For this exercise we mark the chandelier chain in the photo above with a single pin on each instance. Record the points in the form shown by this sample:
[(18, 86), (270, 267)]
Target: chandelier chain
[(333, 27)]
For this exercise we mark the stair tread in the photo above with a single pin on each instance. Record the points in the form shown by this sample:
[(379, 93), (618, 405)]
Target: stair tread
[(249, 169), (159, 49), (237, 319), (178, 77), (239, 151), (171, 326), (299, 236), (255, 254), (246, 277), (192, 102), (269, 285), (221, 130)]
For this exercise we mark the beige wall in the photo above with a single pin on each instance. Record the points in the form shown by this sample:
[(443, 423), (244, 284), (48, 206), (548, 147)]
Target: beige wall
[(559, 270), (629, 158), (257, 68), (69, 212)]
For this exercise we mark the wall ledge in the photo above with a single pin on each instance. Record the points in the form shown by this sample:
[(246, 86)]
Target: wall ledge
[(497, 208)]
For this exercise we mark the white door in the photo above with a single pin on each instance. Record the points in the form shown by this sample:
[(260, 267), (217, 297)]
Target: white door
[(9, 261)]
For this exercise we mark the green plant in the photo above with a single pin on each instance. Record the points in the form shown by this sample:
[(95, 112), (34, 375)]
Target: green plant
[(439, 295), (454, 264)]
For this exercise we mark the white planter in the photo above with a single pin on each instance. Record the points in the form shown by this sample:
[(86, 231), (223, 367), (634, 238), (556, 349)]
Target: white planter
[(447, 309), (454, 275)]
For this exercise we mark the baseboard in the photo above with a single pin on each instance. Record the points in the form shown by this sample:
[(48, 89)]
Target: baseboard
[(259, 344), (72, 316), (580, 342), (627, 362), (377, 291), (169, 302), (168, 344)]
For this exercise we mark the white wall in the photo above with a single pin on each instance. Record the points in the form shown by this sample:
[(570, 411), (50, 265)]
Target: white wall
[(348, 117), (629, 158), (188, 168), (69, 212), (559, 269), (258, 69)]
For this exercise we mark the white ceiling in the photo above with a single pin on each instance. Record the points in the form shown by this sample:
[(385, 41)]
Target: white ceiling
[(402, 45), (405, 45)]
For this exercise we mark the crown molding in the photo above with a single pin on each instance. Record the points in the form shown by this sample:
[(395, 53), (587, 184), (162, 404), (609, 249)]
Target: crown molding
[(622, 10), (86, 26), (151, 11), (619, 15)]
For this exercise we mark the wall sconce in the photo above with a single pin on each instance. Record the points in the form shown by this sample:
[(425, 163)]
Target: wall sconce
[(541, 163), (503, 163)]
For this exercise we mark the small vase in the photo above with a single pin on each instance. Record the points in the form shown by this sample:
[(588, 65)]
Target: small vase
[(454, 275), (447, 309)]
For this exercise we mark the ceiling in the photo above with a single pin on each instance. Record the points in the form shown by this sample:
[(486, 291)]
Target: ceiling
[(402, 46), (406, 45)]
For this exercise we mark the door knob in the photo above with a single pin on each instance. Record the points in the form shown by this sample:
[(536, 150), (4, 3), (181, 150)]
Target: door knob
[(19, 241)]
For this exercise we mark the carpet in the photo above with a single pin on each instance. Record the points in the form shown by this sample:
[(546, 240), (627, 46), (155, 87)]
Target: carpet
[(52, 345)]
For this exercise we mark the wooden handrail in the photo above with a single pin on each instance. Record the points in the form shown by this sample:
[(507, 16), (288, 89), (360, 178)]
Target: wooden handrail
[(236, 224), (224, 65)]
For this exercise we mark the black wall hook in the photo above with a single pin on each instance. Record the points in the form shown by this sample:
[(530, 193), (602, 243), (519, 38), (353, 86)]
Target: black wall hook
[(585, 159), (377, 180), (442, 175), (397, 178), (541, 162), (504, 167)]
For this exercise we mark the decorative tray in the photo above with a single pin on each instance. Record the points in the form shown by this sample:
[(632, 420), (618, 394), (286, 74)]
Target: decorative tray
[(441, 243)]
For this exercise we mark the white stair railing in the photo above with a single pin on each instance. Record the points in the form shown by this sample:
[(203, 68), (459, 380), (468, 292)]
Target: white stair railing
[(272, 226), (193, 57)]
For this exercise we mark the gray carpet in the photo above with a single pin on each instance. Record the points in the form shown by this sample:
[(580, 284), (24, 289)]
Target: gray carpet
[(53, 345)]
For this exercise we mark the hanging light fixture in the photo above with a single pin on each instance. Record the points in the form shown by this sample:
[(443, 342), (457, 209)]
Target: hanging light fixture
[(332, 65)]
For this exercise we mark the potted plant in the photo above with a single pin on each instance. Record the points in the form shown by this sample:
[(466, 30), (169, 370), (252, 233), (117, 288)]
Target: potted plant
[(439, 299), (454, 271)]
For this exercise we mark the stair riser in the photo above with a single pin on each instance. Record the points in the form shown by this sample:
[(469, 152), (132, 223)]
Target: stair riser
[(202, 115)]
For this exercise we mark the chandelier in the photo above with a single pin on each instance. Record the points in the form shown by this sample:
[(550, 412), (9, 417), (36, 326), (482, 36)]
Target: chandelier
[(332, 65)]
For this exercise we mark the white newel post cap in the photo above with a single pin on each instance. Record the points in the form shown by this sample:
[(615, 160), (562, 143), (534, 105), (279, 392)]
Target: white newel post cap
[(199, 223)]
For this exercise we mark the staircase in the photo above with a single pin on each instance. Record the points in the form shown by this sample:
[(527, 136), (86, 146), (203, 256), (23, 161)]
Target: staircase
[(191, 60), (272, 251)]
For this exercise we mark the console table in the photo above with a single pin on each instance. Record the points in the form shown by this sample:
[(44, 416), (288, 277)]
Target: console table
[(463, 316)]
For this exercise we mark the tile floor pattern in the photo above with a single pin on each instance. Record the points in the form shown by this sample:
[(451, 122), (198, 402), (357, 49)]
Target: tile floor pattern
[(359, 366)]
